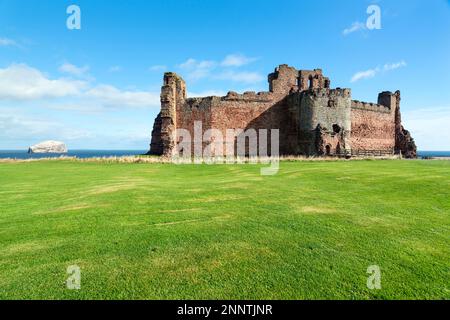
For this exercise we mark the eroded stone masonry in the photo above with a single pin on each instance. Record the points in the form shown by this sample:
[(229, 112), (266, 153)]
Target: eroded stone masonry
[(313, 119)]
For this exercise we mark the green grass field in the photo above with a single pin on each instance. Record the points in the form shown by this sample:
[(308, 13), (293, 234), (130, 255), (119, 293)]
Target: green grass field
[(155, 231)]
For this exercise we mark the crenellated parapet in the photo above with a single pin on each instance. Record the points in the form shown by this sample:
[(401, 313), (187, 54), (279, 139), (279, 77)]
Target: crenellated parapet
[(369, 106), (328, 93), (249, 96)]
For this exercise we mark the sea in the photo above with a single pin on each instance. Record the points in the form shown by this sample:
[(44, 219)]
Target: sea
[(85, 154), (81, 154)]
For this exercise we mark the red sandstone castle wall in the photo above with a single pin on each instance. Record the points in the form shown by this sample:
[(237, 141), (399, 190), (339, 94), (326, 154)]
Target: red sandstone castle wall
[(253, 115), (373, 127), (248, 111), (263, 110)]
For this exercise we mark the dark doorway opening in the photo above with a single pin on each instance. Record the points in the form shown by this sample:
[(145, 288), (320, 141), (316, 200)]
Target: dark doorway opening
[(336, 128), (328, 150)]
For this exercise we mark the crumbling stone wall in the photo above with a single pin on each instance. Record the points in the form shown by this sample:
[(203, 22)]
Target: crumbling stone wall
[(404, 143), (173, 94), (156, 146), (378, 127), (312, 118), (313, 79), (373, 128)]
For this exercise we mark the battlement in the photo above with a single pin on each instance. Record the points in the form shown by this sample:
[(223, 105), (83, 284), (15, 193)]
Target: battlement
[(369, 106), (200, 103), (330, 93), (249, 96)]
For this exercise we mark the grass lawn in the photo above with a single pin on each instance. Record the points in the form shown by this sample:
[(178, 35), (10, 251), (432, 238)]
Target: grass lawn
[(159, 231)]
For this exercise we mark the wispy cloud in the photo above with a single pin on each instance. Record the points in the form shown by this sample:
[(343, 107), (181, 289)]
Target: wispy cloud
[(194, 64), (73, 69), (111, 96), (244, 77), (370, 73), (207, 93), (237, 60), (5, 42), (158, 67), (393, 66), (223, 70), (364, 75), (113, 69), (198, 69), (356, 26)]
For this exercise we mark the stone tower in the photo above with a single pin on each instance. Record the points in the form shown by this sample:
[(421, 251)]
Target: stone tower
[(173, 94)]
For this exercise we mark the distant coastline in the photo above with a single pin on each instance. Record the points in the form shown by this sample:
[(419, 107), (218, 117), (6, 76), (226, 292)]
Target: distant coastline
[(433, 154), (82, 154), (86, 154)]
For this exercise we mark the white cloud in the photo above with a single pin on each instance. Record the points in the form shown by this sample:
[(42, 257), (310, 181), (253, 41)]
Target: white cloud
[(111, 96), (158, 67), (364, 75), (393, 66), (115, 69), (423, 124), (191, 64), (196, 70), (244, 77), (356, 26), (21, 82), (367, 74), (237, 60), (207, 93), (73, 69), (5, 42)]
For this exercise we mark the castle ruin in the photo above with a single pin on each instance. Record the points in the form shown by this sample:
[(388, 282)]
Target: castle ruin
[(312, 118)]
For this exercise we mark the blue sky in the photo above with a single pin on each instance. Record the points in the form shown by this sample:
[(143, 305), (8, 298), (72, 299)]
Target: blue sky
[(98, 87)]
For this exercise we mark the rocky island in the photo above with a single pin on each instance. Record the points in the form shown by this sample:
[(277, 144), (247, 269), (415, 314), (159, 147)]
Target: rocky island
[(48, 147)]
